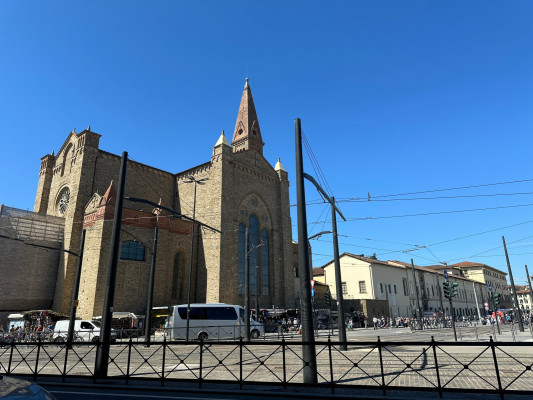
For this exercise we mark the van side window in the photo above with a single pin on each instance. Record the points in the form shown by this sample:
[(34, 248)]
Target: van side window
[(209, 313), (221, 313), (86, 325)]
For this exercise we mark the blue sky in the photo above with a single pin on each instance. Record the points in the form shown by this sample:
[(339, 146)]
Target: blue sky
[(394, 97)]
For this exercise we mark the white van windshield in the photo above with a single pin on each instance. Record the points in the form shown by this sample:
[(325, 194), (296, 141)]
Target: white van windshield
[(241, 313), (96, 323)]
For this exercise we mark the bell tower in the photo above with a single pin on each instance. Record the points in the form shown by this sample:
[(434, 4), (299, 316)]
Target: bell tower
[(247, 134)]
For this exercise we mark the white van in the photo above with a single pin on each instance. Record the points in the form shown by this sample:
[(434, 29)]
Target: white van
[(85, 331), (210, 321)]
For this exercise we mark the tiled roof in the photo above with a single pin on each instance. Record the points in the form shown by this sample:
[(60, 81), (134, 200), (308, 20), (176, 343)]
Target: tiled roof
[(319, 271)]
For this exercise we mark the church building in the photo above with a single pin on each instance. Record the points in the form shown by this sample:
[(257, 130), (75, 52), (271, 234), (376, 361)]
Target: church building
[(242, 190)]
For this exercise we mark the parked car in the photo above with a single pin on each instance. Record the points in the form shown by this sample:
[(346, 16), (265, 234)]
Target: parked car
[(12, 388), (85, 331)]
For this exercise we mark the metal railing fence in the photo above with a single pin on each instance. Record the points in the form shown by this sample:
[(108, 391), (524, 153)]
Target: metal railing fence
[(477, 367)]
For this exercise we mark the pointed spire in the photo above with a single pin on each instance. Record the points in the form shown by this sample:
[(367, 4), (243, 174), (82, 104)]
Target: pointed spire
[(109, 196), (247, 134), (222, 140), (279, 166)]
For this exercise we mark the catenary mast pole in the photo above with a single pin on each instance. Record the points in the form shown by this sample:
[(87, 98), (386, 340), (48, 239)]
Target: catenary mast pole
[(518, 312), (148, 319), (102, 354), (308, 349), (338, 279)]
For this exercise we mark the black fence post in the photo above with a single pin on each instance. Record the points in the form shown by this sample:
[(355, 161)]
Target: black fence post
[(381, 366), (163, 361), (240, 363), (129, 361), (493, 348), (436, 365), (283, 344), (201, 360), (37, 359), (10, 358), (63, 375), (330, 366)]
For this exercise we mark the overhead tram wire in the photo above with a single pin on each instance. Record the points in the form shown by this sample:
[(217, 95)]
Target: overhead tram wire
[(373, 200), (359, 200), (454, 188), (316, 166), (438, 212)]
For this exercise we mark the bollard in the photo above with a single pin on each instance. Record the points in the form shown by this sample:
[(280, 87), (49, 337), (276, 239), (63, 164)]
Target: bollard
[(460, 336), (512, 331), (475, 330)]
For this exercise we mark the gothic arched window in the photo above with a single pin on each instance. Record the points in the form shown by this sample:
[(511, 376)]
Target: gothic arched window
[(265, 250), (242, 255), (253, 259), (132, 250)]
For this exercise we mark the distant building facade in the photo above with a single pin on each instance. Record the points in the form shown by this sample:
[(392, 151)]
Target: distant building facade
[(367, 278)]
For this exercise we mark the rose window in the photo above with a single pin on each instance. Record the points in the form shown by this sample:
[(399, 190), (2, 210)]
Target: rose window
[(63, 201)]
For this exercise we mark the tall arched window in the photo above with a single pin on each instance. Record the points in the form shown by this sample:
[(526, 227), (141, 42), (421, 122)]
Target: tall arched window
[(177, 276), (242, 254), (265, 263), (254, 260)]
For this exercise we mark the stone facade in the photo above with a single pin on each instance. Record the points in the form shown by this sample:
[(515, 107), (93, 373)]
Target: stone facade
[(79, 186)]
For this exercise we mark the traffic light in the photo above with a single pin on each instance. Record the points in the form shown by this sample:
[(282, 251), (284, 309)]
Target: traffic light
[(327, 298), (446, 288), (496, 298), (454, 289)]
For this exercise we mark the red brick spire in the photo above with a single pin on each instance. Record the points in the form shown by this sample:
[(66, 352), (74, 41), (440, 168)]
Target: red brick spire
[(247, 134)]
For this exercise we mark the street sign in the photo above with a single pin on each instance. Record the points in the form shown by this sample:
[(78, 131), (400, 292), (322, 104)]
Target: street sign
[(486, 306), (312, 292), (312, 283), (445, 274), (490, 287)]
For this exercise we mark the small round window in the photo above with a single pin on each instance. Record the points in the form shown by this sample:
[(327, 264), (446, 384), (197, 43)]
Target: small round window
[(64, 198)]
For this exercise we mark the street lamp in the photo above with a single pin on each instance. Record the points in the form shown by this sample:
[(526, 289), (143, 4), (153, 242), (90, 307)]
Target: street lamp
[(192, 179), (247, 285)]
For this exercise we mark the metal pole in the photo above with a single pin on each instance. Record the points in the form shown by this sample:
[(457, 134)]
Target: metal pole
[(477, 304), (518, 312), (148, 319), (190, 265), (75, 290), (419, 317), (452, 313), (102, 354), (246, 288), (530, 297), (308, 350), (257, 293), (338, 279)]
